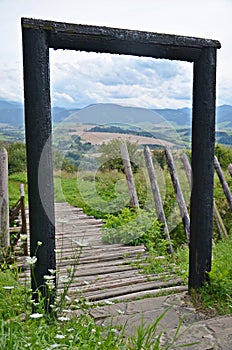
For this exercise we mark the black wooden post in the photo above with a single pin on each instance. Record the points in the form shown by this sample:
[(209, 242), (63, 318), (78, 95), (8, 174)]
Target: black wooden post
[(203, 135), (38, 141)]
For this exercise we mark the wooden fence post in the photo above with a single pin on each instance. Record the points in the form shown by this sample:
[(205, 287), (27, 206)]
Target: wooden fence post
[(23, 216), (179, 194), (187, 168), (4, 200), (129, 176), (156, 196), (223, 182), (216, 213), (230, 169)]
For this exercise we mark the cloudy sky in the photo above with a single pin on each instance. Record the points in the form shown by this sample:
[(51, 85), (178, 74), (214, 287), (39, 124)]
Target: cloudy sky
[(79, 79)]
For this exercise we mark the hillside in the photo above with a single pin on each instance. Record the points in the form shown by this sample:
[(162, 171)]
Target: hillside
[(171, 125), (12, 113)]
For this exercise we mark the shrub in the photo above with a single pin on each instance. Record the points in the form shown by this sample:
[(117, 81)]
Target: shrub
[(16, 157), (111, 156), (135, 227), (224, 155)]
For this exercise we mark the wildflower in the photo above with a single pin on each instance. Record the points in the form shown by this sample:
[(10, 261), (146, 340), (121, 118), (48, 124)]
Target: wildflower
[(48, 277), (50, 284), (60, 336), (32, 301), (108, 302), (36, 315), (54, 346), (52, 271), (63, 318), (8, 287), (66, 311), (39, 243), (70, 330), (67, 298), (93, 330), (99, 343), (31, 260)]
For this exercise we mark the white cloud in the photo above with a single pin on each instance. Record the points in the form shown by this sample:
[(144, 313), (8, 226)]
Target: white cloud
[(86, 81), (62, 97), (96, 78)]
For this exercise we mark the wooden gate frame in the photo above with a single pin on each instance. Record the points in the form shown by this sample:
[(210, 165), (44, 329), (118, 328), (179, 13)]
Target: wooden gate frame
[(38, 37)]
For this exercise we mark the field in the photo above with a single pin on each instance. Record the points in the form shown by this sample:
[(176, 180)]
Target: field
[(97, 138)]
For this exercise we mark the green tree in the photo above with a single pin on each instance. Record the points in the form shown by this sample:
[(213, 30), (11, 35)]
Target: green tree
[(111, 158), (16, 157)]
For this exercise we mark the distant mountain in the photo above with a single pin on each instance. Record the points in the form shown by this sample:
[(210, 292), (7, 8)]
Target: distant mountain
[(224, 116), (12, 113), (181, 117), (108, 113)]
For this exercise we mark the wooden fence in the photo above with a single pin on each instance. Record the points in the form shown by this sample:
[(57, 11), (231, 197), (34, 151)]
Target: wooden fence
[(177, 189), (4, 200), (19, 209)]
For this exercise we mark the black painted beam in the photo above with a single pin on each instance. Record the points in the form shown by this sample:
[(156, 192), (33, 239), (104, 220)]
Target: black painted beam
[(39, 153), (120, 41), (203, 136)]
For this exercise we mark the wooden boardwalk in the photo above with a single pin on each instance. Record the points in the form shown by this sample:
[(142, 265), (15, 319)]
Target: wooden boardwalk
[(102, 272)]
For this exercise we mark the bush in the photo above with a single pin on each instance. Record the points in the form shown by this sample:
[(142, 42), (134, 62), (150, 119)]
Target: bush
[(224, 155), (133, 227), (16, 157), (111, 158)]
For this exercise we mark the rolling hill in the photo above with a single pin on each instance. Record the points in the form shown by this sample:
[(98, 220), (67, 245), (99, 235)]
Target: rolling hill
[(12, 113)]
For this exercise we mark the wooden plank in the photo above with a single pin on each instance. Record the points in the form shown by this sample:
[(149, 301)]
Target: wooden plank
[(140, 295), (142, 287), (99, 258), (112, 283)]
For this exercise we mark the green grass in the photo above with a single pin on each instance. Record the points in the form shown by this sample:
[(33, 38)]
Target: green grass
[(21, 329), (216, 296), (14, 181)]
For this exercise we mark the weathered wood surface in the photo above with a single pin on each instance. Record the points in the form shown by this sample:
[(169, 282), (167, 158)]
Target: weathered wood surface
[(224, 184), (4, 200), (102, 272), (129, 176), (179, 194), (230, 169), (156, 195), (216, 213)]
